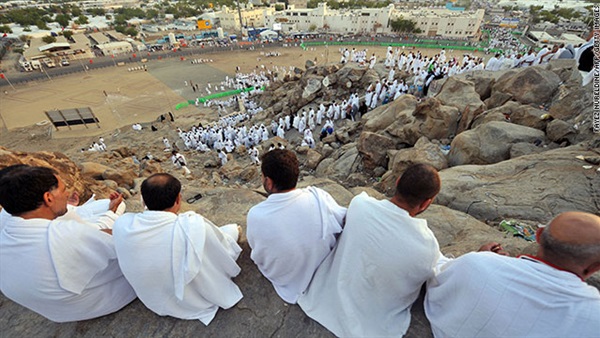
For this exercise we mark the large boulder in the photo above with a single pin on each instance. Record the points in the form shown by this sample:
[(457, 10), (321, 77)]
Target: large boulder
[(369, 77), (571, 101), (528, 116), (430, 119), (462, 95), (530, 85), (560, 131), (497, 99), (373, 148), (124, 178), (566, 69), (489, 143), (424, 151), (93, 170), (482, 80), (313, 85), (341, 163), (533, 187), (312, 159), (384, 116), (350, 72), (231, 169)]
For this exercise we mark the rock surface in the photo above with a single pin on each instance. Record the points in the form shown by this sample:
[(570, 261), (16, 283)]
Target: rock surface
[(489, 143), (532, 188)]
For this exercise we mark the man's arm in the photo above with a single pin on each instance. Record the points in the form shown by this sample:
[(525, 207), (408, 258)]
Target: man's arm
[(106, 221)]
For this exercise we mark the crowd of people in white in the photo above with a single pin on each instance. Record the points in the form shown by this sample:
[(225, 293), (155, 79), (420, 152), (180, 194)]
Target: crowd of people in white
[(410, 72)]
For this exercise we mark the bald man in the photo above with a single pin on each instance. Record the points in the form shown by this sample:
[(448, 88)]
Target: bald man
[(488, 295)]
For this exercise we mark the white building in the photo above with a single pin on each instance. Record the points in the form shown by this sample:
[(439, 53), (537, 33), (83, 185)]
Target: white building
[(251, 17), (431, 21), (115, 48), (322, 18), (445, 22)]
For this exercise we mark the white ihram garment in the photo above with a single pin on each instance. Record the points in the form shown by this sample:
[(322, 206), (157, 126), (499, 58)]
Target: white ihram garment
[(179, 265)]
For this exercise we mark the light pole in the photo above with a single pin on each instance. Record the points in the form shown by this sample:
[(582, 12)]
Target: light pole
[(82, 66), (45, 71), (240, 17)]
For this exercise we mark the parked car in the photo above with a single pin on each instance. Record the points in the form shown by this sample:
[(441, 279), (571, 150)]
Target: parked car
[(64, 62), (49, 63)]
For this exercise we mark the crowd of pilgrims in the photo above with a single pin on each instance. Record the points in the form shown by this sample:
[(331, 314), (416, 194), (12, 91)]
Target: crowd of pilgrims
[(233, 130)]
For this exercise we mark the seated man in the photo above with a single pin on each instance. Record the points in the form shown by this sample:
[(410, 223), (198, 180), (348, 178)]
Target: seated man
[(179, 265), (367, 285), (486, 295), (292, 231), (57, 263)]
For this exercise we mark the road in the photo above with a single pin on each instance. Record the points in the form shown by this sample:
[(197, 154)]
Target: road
[(88, 65)]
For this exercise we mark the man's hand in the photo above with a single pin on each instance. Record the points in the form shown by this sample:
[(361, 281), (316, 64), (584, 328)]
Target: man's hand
[(73, 199), (115, 200), (494, 247)]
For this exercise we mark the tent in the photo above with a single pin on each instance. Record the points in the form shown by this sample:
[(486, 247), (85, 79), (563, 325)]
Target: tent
[(269, 35)]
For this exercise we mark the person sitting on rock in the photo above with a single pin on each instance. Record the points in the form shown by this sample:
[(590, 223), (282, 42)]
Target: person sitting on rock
[(292, 231), (475, 295), (58, 260), (179, 265), (367, 285)]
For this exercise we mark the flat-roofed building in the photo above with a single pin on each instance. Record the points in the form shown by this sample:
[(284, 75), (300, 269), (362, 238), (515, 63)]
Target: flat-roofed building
[(116, 36), (99, 38), (115, 48), (541, 37)]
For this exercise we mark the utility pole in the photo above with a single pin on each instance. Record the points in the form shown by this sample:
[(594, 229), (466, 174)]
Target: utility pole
[(240, 17)]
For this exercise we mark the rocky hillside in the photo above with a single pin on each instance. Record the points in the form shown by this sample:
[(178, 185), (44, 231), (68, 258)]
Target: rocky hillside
[(521, 148)]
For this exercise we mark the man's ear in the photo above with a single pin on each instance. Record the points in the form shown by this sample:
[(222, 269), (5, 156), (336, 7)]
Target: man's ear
[(425, 204), (538, 234), (591, 269), (48, 198), (269, 185)]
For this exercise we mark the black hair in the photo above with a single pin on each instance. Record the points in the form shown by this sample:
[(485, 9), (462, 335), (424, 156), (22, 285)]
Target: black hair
[(22, 187), (281, 166), (417, 184), (160, 191)]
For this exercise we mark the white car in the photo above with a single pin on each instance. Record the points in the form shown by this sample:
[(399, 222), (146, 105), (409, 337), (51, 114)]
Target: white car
[(64, 62)]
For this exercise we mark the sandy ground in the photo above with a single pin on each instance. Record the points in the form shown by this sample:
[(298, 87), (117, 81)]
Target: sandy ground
[(135, 96)]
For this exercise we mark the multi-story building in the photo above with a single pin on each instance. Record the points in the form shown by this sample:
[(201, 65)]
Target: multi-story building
[(451, 23), (445, 22), (251, 17), (322, 18)]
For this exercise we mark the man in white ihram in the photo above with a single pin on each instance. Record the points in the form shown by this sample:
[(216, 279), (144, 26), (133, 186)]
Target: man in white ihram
[(294, 229), (59, 262), (487, 295), (367, 285), (179, 265)]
